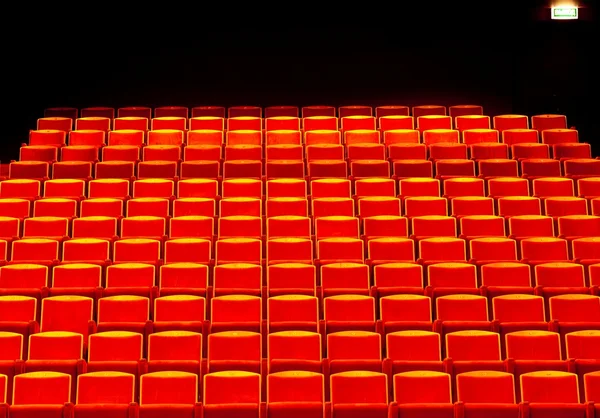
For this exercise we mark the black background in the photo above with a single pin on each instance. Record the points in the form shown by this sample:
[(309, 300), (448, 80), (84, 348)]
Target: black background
[(508, 57)]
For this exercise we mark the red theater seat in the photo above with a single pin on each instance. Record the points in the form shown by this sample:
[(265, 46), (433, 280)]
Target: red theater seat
[(349, 313), (353, 350), (461, 312), (57, 351), (42, 394), (504, 122), (295, 392), (533, 351), (236, 313), (103, 112), (78, 279), (180, 312), (232, 393), (25, 279), (116, 351), (486, 393), (294, 350), (92, 137), (292, 313), (551, 393), (51, 137), (23, 188), (175, 351), (135, 111), (214, 111), (234, 350), (68, 313), (60, 123), (401, 312), (113, 393), (423, 393), (473, 351), (11, 362), (358, 393), (131, 123), (518, 312), (183, 279), (18, 315), (413, 351), (124, 313), (173, 394)]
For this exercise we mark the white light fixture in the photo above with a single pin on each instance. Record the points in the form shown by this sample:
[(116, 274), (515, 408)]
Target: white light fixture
[(565, 13)]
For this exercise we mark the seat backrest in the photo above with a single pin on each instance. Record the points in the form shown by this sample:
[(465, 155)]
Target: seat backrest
[(349, 308), (336, 227), (123, 308), (184, 275), (137, 250), (583, 344), (46, 226), (473, 345), (41, 388), (300, 345), (238, 276), (33, 276), (77, 275), (175, 345), (354, 345), (560, 275), (143, 226), (345, 276), (55, 345), (238, 250), (592, 386), (359, 387), (518, 308), (531, 226), (295, 386), (130, 275), (232, 387), (506, 273), (442, 248), (405, 308), (158, 188), (293, 308), (11, 346), (115, 346), (533, 345), (67, 313), (179, 308), (462, 308), (234, 345), (422, 387), (453, 275), (108, 188), (64, 188), (575, 308), (113, 388), (17, 309), (236, 308), (167, 388), (544, 248), (58, 207), (3, 388), (414, 346), (291, 276), (550, 387), (485, 387)]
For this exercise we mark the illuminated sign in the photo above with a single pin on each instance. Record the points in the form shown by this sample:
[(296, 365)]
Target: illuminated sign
[(565, 13)]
